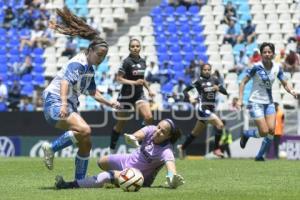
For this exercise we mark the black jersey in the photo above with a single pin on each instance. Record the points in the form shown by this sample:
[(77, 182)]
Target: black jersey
[(133, 69), (207, 94)]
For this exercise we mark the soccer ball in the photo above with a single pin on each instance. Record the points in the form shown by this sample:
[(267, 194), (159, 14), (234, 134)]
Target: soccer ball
[(282, 154), (131, 180)]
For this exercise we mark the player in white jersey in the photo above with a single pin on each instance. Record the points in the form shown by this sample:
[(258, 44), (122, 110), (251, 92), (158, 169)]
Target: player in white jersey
[(261, 105), (61, 96)]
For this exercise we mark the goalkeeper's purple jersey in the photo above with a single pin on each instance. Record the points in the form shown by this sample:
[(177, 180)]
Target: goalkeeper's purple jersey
[(150, 157)]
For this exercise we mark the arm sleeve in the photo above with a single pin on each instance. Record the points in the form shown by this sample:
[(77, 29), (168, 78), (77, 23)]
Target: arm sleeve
[(280, 75), (167, 155), (73, 72), (251, 72), (123, 69), (148, 131)]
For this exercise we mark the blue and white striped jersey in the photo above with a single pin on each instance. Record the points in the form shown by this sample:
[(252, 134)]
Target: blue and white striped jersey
[(79, 75), (263, 80)]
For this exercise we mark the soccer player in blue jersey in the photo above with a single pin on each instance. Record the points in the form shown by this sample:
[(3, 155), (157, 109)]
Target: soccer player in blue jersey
[(261, 105), (61, 96)]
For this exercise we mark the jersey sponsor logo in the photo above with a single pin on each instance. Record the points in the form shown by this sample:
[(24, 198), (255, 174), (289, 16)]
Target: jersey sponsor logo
[(7, 147), (139, 72)]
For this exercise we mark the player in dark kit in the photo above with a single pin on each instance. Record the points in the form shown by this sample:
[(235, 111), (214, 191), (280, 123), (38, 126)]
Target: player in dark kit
[(131, 75), (207, 87)]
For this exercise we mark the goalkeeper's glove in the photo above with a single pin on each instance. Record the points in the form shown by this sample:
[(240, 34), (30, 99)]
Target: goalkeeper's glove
[(131, 140), (174, 180)]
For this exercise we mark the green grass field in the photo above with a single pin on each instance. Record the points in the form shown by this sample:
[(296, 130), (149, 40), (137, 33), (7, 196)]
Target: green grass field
[(28, 179)]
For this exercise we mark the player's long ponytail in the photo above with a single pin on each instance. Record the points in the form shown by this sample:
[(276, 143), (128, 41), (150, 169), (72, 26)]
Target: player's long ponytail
[(74, 26)]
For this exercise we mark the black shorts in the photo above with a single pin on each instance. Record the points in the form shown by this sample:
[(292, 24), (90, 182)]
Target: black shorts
[(129, 103)]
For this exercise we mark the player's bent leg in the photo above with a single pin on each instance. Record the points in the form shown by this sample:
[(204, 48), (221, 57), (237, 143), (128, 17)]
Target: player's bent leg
[(217, 122), (48, 155), (145, 110), (122, 118), (103, 163)]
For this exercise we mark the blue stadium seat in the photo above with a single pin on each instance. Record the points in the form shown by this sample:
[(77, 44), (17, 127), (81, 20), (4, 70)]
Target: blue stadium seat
[(169, 10), (38, 69), (193, 10), (173, 39), (175, 48), (156, 12), (38, 61), (37, 52), (13, 59), (38, 80), (195, 20), (184, 29), (163, 57), (161, 49), (188, 58), (176, 58), (185, 39), (167, 88), (3, 107), (178, 67), (171, 29), (203, 57), (3, 68), (197, 29), (237, 48), (180, 10), (27, 90), (26, 79)]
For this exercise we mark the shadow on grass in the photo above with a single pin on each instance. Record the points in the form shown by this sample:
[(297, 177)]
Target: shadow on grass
[(48, 188)]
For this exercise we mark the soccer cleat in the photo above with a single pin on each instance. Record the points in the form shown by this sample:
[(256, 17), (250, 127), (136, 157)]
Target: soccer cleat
[(181, 152), (48, 155), (243, 141), (60, 183), (218, 153), (259, 159)]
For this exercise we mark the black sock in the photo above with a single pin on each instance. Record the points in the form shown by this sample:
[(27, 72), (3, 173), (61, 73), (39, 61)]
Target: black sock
[(188, 140), (114, 139), (217, 140)]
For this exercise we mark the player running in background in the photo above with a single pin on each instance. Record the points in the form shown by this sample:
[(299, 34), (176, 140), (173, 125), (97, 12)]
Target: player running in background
[(261, 106), (131, 76), (61, 96), (207, 87), (155, 152)]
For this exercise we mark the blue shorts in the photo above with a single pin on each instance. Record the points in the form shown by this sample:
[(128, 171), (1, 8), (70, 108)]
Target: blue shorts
[(261, 110), (52, 105)]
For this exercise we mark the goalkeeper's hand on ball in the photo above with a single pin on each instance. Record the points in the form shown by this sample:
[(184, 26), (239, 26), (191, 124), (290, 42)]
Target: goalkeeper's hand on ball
[(173, 181), (131, 140)]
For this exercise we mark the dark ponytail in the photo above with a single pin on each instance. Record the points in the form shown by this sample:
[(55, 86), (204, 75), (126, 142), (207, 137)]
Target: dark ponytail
[(74, 26), (175, 135)]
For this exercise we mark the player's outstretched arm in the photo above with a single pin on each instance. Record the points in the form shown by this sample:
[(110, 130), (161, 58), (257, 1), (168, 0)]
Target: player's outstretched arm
[(173, 179)]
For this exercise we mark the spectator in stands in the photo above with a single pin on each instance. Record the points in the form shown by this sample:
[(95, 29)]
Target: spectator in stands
[(232, 34), (14, 96), (165, 73), (230, 9), (207, 87), (292, 62), (249, 32), (28, 18), (40, 37), (61, 96), (241, 62), (70, 49), (178, 89), (152, 73), (27, 105), (280, 58), (132, 77), (229, 13), (9, 16), (23, 68), (261, 106), (234, 106), (3, 91), (256, 57)]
